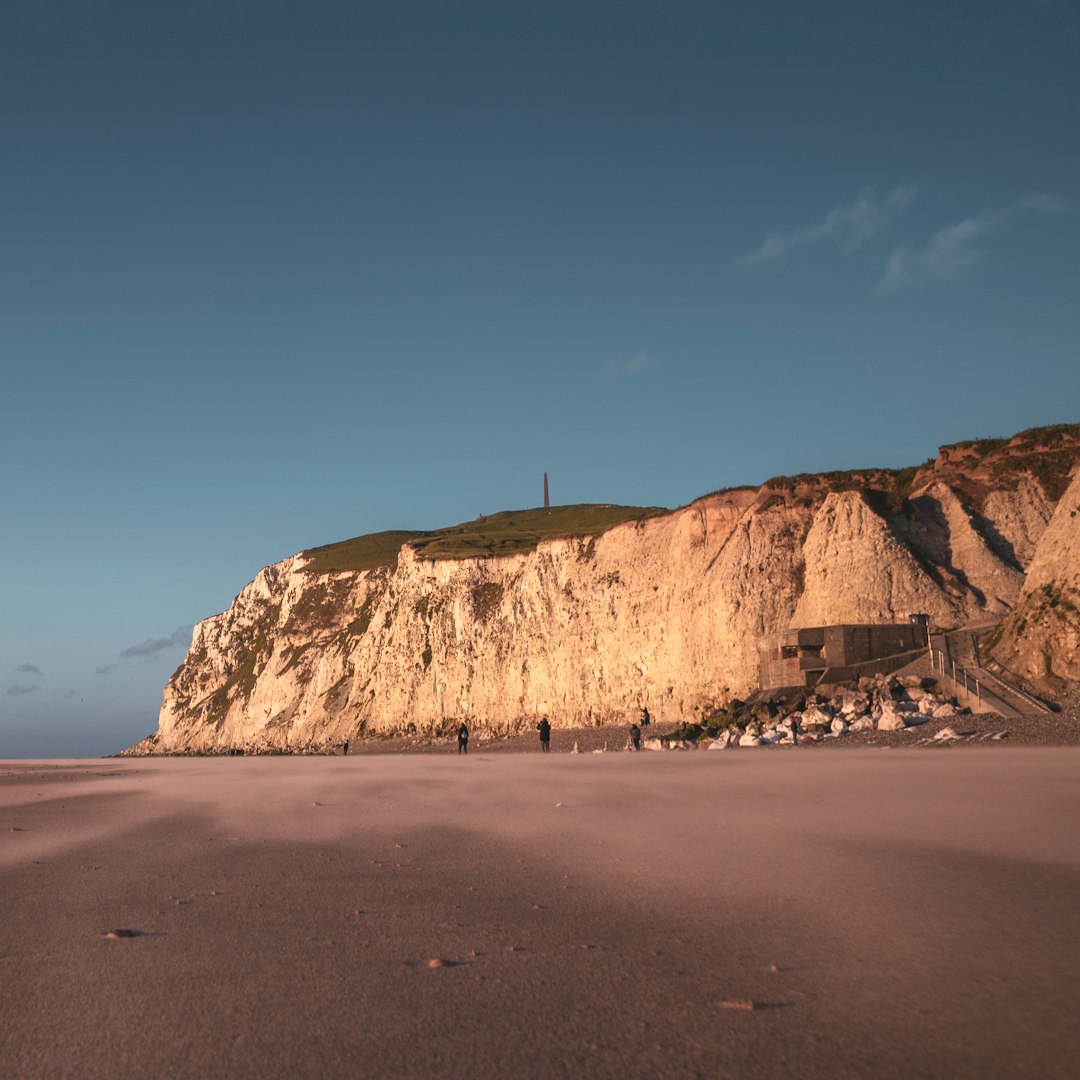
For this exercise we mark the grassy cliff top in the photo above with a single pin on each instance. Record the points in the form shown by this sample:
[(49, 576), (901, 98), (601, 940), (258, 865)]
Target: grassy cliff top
[(511, 532)]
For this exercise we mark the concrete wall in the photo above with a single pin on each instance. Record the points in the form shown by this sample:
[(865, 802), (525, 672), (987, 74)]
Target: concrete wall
[(799, 657)]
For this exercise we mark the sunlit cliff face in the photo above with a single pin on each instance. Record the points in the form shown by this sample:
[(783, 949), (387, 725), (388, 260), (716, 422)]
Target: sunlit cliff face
[(664, 612)]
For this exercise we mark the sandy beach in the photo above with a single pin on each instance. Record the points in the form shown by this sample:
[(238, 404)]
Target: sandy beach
[(887, 913)]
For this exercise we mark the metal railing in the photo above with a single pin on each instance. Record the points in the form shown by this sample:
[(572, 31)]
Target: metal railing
[(961, 677)]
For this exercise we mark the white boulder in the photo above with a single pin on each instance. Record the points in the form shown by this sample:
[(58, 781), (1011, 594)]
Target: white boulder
[(817, 715), (891, 719)]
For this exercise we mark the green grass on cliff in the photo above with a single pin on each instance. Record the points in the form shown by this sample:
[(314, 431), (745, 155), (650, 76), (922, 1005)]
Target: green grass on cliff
[(511, 532), (359, 553)]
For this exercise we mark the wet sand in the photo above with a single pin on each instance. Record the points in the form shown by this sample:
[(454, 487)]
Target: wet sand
[(889, 913)]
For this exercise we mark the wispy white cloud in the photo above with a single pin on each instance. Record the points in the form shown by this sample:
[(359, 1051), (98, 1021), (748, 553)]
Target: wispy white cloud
[(846, 227), (632, 365), (29, 669), (17, 690), (957, 248)]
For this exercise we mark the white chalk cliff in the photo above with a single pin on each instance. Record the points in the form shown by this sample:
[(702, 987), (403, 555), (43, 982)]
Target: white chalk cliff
[(664, 612), (1041, 637)]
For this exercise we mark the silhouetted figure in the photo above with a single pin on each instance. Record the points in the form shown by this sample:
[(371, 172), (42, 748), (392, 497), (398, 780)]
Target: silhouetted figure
[(463, 739), (644, 717), (635, 736), (345, 748), (545, 735)]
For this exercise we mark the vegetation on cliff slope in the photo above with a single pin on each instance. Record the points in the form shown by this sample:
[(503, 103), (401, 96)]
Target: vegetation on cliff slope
[(511, 532)]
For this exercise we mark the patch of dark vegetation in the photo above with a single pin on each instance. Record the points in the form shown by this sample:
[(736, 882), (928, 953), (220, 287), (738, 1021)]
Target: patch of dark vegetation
[(428, 606), (886, 490), (320, 607), (486, 598), (1052, 468), (722, 491), (359, 626), (296, 655), (992, 638)]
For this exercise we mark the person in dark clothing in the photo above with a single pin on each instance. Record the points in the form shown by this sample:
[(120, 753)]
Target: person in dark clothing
[(545, 735), (635, 736), (345, 748), (463, 739), (644, 717)]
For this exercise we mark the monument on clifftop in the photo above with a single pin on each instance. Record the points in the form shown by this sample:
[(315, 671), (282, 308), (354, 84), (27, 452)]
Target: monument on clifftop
[(547, 501)]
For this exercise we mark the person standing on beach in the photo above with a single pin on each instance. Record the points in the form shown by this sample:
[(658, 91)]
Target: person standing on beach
[(345, 748), (463, 739), (644, 717), (545, 735), (635, 736)]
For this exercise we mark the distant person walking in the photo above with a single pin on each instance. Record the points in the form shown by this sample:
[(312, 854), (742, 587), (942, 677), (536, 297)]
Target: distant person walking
[(635, 736), (645, 717), (345, 748), (463, 739), (545, 735)]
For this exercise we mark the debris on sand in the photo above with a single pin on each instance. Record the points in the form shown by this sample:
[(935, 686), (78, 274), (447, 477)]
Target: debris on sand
[(436, 962), (113, 935), (744, 1004)]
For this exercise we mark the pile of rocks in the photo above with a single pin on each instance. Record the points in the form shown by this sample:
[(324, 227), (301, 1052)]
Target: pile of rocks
[(880, 703)]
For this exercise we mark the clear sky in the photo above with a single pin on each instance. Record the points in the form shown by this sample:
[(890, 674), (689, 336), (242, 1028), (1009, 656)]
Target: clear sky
[(273, 274)]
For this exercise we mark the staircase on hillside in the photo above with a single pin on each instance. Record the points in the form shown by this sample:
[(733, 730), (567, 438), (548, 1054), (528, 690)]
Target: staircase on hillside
[(957, 660)]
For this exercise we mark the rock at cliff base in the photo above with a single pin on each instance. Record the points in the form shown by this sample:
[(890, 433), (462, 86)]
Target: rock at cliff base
[(817, 715), (891, 719)]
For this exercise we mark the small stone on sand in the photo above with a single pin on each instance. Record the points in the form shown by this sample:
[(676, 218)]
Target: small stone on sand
[(740, 1003), (113, 935), (435, 962)]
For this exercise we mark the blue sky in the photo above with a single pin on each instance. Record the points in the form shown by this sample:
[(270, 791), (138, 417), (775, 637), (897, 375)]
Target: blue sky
[(275, 274)]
